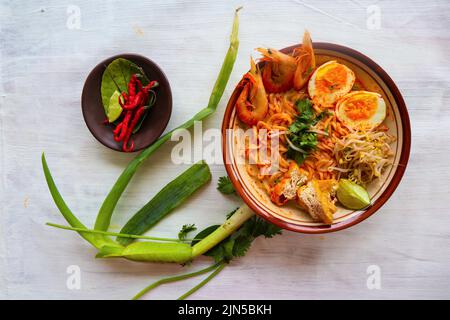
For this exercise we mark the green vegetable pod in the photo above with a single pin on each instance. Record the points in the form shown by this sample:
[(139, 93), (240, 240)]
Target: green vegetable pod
[(170, 197), (153, 252)]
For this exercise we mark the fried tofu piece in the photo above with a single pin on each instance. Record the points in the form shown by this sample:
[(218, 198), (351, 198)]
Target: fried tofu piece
[(286, 189), (317, 198)]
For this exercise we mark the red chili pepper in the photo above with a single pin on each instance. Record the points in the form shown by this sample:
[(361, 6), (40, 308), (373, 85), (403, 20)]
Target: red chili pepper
[(151, 85), (117, 131), (137, 116), (126, 148), (139, 83), (125, 124), (132, 85), (147, 88), (135, 101), (133, 105)]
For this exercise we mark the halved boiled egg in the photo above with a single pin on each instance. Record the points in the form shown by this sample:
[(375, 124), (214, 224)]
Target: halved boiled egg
[(330, 82), (361, 109)]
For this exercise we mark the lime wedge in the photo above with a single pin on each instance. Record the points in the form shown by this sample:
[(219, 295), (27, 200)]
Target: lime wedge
[(114, 109), (352, 195)]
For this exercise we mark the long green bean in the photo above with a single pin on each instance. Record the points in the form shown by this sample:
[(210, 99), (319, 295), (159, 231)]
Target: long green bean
[(106, 210)]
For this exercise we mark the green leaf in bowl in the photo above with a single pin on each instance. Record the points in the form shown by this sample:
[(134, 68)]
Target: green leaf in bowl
[(116, 77)]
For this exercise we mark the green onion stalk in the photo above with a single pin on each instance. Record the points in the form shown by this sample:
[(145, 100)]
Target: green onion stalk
[(158, 249), (162, 281), (109, 204), (154, 251)]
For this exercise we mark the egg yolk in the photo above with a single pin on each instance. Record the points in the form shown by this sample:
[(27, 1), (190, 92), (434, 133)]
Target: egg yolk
[(331, 79), (361, 108)]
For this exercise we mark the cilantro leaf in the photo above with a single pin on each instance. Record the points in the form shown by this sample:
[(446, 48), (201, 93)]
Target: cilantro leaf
[(305, 109), (185, 230), (300, 138), (225, 186), (241, 240)]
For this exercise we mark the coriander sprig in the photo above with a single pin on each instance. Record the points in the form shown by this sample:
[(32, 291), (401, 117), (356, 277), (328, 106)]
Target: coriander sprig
[(300, 139), (225, 186)]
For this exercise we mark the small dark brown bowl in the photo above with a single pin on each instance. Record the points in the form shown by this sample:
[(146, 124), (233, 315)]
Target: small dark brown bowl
[(374, 78), (156, 120)]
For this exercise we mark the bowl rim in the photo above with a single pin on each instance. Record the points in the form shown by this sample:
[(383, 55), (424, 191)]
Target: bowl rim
[(129, 56), (387, 193)]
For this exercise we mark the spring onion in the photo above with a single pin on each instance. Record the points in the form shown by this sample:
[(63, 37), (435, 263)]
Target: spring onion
[(170, 197), (109, 204)]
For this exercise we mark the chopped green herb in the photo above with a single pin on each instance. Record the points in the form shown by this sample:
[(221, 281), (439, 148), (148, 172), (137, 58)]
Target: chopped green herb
[(225, 186), (185, 230), (301, 141), (240, 241)]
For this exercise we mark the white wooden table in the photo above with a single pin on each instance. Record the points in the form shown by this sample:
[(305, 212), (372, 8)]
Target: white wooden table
[(45, 58)]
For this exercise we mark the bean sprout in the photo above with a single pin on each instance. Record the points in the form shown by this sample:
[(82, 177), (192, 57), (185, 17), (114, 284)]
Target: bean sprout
[(363, 156)]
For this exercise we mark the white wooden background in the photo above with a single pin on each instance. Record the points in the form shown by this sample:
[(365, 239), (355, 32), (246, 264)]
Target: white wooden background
[(43, 67)]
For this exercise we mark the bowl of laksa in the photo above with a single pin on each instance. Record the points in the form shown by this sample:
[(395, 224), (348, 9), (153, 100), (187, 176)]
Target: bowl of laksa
[(316, 136)]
